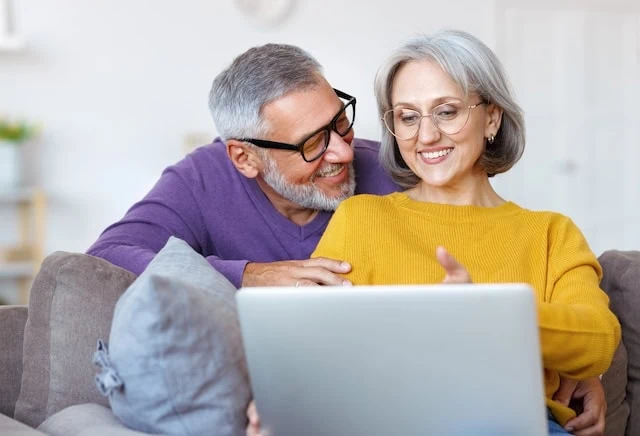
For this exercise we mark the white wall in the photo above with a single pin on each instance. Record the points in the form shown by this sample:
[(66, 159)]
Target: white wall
[(117, 85)]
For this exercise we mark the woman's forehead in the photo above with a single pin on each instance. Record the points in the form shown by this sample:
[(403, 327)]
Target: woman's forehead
[(424, 82)]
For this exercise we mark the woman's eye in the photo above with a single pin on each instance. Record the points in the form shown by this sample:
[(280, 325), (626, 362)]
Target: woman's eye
[(409, 118), (446, 112)]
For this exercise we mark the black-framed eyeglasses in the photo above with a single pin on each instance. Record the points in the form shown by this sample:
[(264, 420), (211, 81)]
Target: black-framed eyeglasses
[(314, 145)]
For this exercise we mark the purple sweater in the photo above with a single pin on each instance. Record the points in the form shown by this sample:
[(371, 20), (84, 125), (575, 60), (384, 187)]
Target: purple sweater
[(223, 215)]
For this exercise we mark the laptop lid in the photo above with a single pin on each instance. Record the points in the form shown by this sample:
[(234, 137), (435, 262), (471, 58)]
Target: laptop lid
[(394, 360)]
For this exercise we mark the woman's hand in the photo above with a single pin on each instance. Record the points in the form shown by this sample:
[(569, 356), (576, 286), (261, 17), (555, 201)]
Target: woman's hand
[(253, 428), (590, 422), (456, 273)]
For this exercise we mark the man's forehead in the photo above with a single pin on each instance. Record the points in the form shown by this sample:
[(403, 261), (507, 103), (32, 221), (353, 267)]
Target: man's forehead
[(302, 111)]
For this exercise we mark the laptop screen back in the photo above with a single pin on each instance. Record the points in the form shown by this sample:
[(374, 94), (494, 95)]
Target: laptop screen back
[(394, 360)]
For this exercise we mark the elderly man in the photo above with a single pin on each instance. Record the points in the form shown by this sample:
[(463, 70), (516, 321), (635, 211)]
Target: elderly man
[(256, 202), (261, 197)]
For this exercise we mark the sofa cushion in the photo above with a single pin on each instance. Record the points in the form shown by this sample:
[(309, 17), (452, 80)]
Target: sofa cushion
[(175, 363), (12, 321), (70, 307), (12, 427), (85, 419), (621, 281), (614, 382)]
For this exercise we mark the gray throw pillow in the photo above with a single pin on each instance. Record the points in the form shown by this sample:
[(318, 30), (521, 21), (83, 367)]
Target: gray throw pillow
[(70, 307), (175, 363)]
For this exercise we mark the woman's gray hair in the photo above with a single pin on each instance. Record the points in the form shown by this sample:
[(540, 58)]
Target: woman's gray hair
[(476, 69), (255, 78)]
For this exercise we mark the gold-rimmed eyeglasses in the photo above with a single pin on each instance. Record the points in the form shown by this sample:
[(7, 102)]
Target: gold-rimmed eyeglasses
[(449, 118)]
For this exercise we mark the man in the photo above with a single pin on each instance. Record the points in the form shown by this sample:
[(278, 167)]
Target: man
[(261, 197), (256, 202)]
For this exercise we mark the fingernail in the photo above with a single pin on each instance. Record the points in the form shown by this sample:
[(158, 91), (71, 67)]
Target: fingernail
[(569, 429), (347, 283), (345, 265)]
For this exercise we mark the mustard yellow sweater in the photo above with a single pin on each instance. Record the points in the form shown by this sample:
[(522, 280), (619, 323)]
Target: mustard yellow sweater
[(392, 240)]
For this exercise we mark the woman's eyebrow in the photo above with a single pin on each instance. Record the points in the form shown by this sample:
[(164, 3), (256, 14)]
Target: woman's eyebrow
[(438, 101)]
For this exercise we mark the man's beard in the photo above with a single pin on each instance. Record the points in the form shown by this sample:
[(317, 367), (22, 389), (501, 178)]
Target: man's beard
[(308, 195)]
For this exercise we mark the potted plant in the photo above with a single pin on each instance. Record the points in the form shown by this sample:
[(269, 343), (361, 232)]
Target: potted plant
[(12, 135)]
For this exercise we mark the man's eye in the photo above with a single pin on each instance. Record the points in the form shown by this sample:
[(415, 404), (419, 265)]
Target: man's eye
[(342, 123), (314, 143)]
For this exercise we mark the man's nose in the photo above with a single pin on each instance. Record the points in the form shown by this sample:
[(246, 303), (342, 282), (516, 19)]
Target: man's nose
[(427, 131), (338, 150)]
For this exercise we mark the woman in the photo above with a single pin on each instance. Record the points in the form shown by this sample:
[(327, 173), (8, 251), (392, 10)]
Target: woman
[(450, 123)]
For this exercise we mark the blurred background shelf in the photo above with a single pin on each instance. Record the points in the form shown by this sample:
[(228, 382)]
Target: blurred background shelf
[(16, 270), (16, 195), (20, 261)]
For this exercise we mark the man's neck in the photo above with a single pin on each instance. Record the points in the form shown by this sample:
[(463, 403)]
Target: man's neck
[(293, 212)]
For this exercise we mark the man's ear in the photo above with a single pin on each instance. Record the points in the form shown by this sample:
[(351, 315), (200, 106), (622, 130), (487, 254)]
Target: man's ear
[(244, 158), (494, 120)]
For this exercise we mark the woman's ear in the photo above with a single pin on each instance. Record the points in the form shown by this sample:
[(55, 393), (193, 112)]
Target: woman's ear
[(244, 158), (493, 121)]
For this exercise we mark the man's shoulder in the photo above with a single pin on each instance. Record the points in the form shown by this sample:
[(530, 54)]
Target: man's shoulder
[(206, 167), (216, 151), (206, 158), (366, 146), (366, 154), (370, 176)]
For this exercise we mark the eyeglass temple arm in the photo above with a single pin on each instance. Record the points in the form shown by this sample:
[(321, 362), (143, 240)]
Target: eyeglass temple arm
[(343, 94), (269, 144)]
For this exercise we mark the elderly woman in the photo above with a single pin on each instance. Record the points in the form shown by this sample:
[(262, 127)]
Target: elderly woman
[(450, 124)]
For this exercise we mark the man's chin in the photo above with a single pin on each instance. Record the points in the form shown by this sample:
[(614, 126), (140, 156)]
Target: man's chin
[(339, 187), (320, 194), (339, 193)]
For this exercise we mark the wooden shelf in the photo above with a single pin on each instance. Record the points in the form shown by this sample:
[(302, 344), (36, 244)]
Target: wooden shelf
[(21, 261)]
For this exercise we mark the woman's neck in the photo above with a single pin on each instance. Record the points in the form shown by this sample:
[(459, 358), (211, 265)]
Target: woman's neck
[(471, 192)]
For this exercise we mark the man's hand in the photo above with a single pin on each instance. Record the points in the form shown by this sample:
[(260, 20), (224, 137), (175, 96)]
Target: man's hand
[(253, 428), (456, 273), (594, 404), (310, 272)]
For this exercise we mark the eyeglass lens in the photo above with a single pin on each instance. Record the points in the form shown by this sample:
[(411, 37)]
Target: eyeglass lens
[(450, 118), (318, 143)]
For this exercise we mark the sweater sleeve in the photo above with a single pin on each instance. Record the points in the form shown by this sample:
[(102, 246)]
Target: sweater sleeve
[(169, 209), (578, 332)]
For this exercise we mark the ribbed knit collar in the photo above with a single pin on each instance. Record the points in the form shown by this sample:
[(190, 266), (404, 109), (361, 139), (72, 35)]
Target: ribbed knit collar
[(455, 213)]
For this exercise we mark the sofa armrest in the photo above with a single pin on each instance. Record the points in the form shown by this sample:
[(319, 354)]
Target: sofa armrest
[(621, 281), (12, 322)]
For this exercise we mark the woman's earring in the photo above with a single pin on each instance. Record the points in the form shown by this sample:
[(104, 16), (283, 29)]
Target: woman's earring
[(491, 139)]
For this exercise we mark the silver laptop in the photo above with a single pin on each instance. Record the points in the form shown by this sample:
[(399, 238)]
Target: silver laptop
[(394, 360)]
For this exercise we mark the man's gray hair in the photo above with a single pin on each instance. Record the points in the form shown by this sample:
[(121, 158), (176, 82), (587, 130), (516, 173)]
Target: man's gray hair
[(476, 69), (255, 78)]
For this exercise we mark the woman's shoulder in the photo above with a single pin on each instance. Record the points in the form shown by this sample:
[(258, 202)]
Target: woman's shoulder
[(552, 219), (368, 200), (543, 213)]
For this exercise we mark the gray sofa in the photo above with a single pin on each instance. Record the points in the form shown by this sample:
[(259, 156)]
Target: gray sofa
[(47, 378)]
